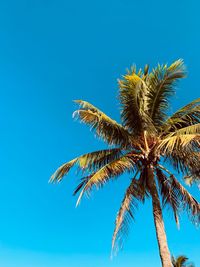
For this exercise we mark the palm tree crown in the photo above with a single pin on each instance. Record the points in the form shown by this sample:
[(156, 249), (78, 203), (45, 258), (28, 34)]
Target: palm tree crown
[(146, 138), (181, 261)]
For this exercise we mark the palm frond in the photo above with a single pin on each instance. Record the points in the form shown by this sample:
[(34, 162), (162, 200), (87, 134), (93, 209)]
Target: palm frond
[(86, 105), (83, 182), (181, 138), (161, 85), (185, 160), (133, 194), (133, 91), (105, 127), (186, 116), (110, 170), (146, 71), (180, 261), (168, 195), (177, 196), (62, 171), (87, 162), (93, 161), (188, 201)]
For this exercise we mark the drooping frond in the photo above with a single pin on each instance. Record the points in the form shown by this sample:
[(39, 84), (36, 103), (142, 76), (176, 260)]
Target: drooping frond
[(185, 160), (186, 116), (110, 170), (133, 92), (181, 138), (187, 200), (62, 170), (133, 194), (161, 84), (168, 195), (83, 182), (174, 194), (87, 162), (105, 127)]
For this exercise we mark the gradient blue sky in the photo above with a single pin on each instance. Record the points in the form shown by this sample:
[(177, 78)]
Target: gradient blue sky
[(51, 53)]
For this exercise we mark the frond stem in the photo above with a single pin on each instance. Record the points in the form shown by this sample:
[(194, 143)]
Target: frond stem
[(146, 144), (164, 169)]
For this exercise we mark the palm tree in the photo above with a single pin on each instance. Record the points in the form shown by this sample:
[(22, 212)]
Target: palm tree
[(181, 261), (147, 138)]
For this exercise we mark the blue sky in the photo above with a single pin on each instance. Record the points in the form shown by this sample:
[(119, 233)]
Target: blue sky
[(51, 53)]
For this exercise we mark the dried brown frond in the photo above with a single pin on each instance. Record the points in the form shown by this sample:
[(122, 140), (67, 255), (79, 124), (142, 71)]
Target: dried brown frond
[(188, 201), (125, 215), (168, 195)]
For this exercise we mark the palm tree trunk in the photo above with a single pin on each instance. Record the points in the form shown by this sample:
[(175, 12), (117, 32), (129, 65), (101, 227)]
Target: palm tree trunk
[(158, 220)]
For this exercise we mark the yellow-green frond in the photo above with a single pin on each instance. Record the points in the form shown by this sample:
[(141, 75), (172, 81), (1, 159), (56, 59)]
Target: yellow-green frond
[(97, 159), (186, 116), (132, 95), (86, 105), (105, 127), (62, 170), (181, 138), (161, 84), (89, 162)]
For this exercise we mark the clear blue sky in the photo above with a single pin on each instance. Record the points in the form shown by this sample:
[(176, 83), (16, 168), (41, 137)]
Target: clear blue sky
[(52, 52)]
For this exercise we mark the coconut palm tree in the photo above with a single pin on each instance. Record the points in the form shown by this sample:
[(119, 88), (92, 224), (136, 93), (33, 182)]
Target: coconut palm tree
[(146, 140), (181, 261)]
